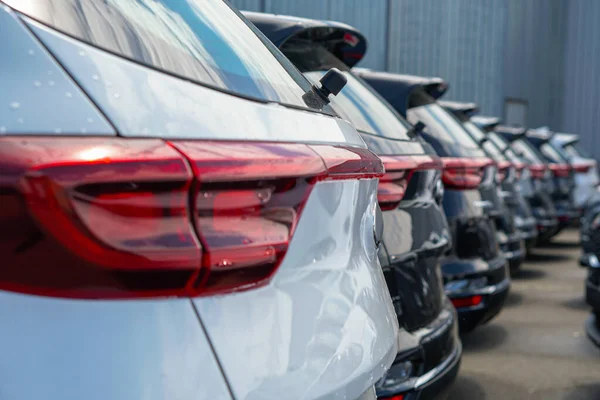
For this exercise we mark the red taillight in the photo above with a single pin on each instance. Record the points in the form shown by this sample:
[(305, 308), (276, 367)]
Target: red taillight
[(538, 171), (467, 301), (464, 173), (146, 218), (393, 184), (503, 170), (519, 167), (560, 170), (584, 167), (396, 397)]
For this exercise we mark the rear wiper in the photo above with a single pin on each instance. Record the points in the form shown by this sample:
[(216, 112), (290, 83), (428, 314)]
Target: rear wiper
[(416, 129)]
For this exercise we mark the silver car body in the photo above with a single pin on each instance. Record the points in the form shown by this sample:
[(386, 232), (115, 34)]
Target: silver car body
[(324, 326)]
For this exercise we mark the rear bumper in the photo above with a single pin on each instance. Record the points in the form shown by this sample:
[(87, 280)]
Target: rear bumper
[(529, 232), (440, 352), (514, 251), (592, 293), (592, 329), (547, 226), (471, 317)]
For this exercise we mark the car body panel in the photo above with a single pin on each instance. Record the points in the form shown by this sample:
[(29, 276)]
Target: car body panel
[(30, 90), (325, 309), (82, 349)]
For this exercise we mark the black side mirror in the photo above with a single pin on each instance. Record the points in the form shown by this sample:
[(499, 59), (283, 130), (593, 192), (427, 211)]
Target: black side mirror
[(331, 83), (417, 129)]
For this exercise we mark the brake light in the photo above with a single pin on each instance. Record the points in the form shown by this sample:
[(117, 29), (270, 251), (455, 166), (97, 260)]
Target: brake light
[(470, 301), (503, 170), (538, 171), (393, 184), (584, 167), (138, 218), (560, 170), (519, 167), (464, 173)]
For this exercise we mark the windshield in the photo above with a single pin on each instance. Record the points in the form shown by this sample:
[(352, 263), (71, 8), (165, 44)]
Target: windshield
[(442, 124), (551, 153), (488, 146), (365, 109), (524, 148), (201, 40)]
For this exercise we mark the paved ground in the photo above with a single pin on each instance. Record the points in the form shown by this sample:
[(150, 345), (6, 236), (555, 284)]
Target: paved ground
[(536, 348)]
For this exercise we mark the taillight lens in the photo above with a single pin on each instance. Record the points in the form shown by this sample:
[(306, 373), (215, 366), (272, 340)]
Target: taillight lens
[(584, 167), (131, 218), (503, 171), (393, 184), (470, 301), (560, 170), (519, 168), (464, 173), (538, 171)]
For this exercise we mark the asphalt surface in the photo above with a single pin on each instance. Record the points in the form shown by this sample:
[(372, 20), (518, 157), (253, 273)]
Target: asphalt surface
[(537, 347)]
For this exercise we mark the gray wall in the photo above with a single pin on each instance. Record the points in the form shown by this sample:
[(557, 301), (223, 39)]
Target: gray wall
[(545, 52)]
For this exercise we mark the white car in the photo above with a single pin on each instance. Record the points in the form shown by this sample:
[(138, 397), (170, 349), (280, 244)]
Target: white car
[(183, 216)]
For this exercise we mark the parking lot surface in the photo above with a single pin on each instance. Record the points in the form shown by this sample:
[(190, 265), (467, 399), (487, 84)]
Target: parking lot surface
[(537, 347)]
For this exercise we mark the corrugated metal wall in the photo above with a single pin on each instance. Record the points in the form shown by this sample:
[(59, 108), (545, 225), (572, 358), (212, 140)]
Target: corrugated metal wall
[(546, 52), (459, 40), (581, 105), (533, 58)]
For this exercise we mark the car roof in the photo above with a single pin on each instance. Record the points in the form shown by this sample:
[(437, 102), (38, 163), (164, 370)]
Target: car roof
[(280, 28), (397, 88), (485, 122)]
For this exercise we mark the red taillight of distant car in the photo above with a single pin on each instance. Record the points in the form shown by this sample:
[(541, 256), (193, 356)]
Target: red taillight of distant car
[(470, 301), (519, 167), (560, 170), (112, 218), (398, 171), (538, 171), (464, 173), (584, 166), (503, 170)]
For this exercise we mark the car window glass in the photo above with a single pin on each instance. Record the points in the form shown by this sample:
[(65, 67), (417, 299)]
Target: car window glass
[(551, 153), (365, 109), (522, 147), (201, 40), (442, 124), (488, 146)]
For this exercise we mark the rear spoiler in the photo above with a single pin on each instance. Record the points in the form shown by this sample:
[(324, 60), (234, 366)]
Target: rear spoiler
[(542, 134), (397, 88), (342, 40), (511, 133), (566, 139), (487, 124), (457, 107)]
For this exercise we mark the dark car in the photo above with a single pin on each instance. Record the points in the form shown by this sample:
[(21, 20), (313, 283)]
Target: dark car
[(563, 176), (590, 258), (513, 182), (509, 236), (536, 183), (476, 274), (416, 232)]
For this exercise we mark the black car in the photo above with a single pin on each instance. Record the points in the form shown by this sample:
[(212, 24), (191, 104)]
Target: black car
[(590, 242), (509, 236), (514, 183), (563, 177), (476, 274), (539, 188), (416, 233)]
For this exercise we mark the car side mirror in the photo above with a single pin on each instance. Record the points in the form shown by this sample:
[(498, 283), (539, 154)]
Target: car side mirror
[(331, 84)]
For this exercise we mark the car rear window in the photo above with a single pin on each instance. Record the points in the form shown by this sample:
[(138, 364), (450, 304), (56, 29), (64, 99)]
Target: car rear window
[(204, 41), (530, 154), (365, 109), (479, 135), (551, 153), (442, 124)]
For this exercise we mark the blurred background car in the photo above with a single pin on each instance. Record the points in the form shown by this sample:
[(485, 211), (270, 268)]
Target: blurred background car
[(476, 274), (590, 258), (584, 166), (563, 177), (515, 184), (159, 205), (416, 232), (540, 188), (510, 238)]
